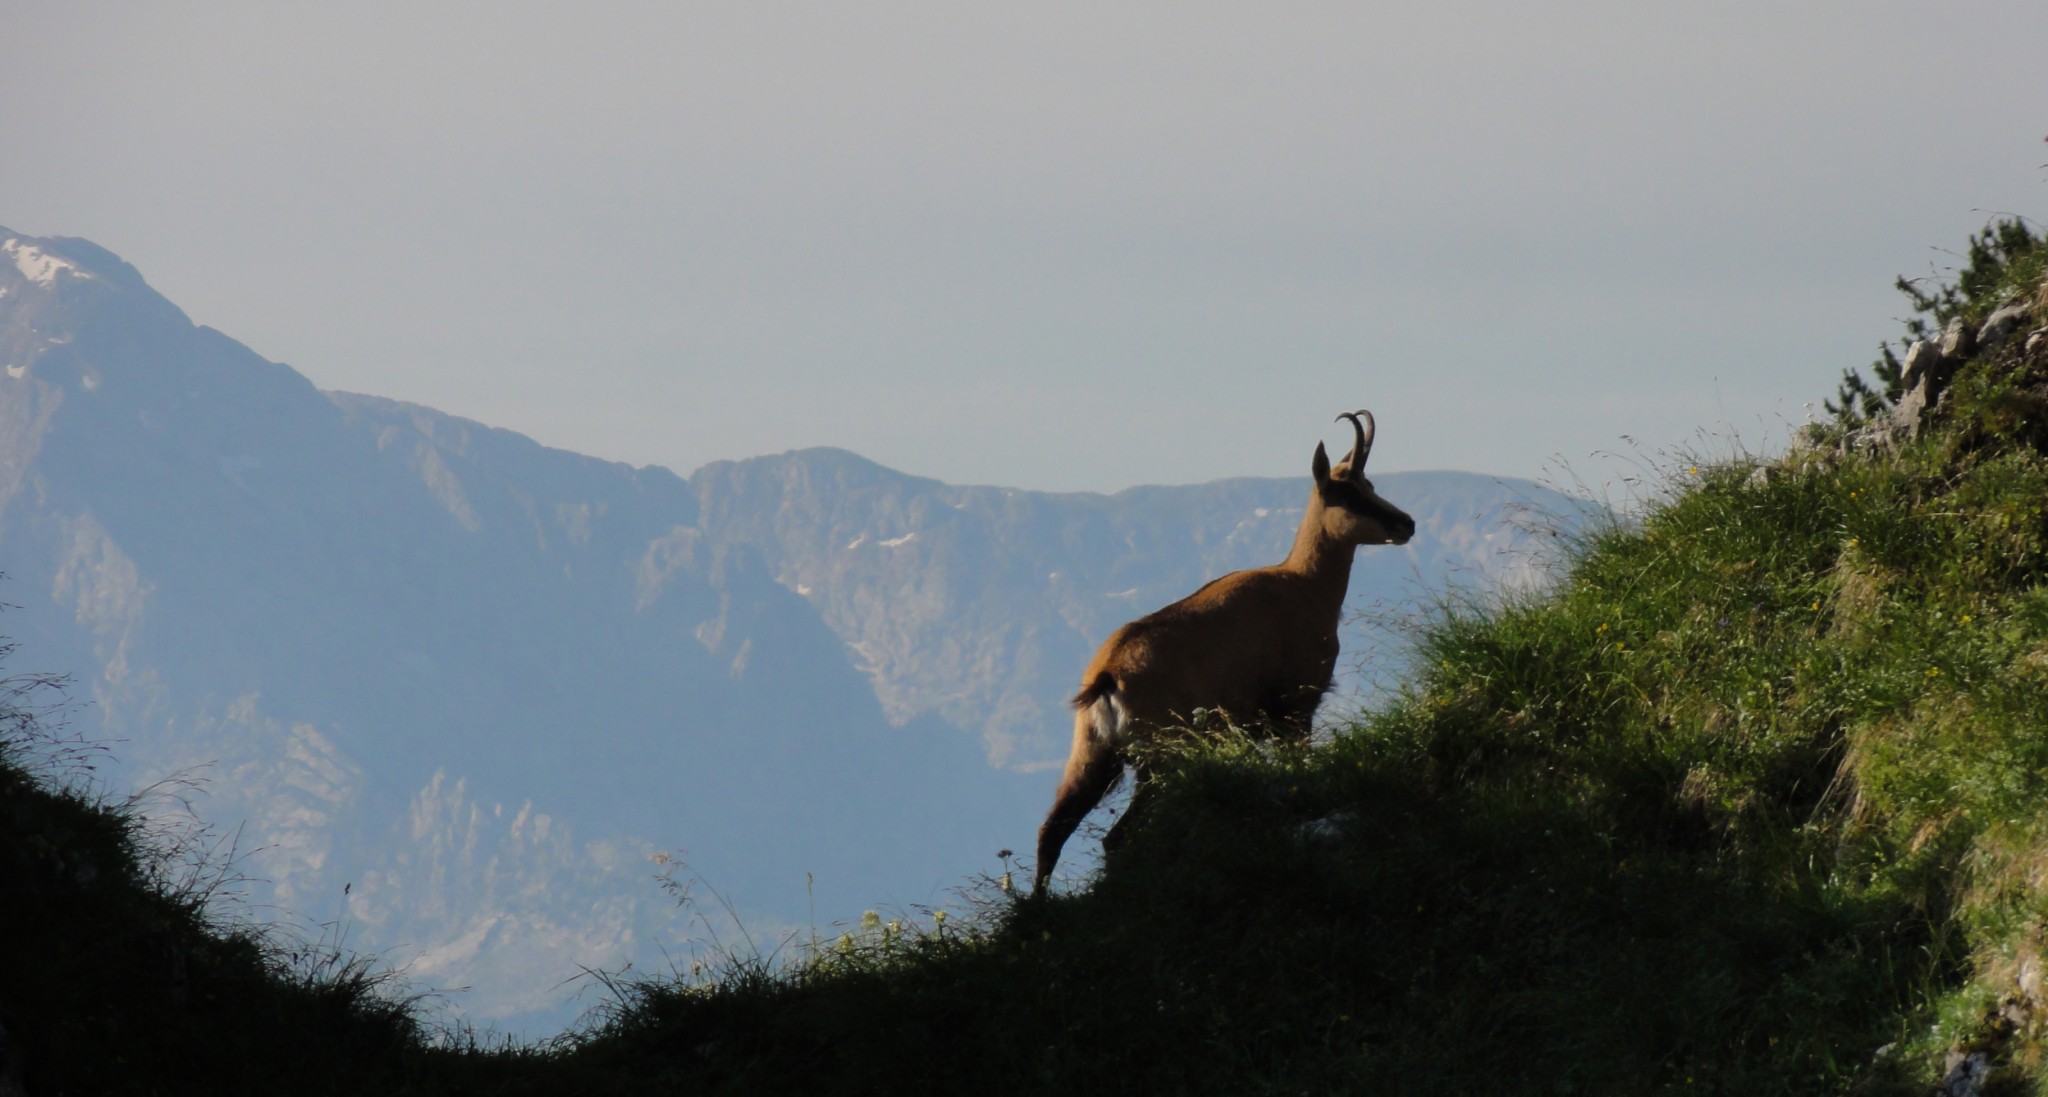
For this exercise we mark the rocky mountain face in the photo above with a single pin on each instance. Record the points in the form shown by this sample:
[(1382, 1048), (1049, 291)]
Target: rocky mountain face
[(462, 695)]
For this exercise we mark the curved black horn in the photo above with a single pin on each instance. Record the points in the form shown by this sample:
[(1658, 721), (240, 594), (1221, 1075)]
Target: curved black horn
[(1363, 446)]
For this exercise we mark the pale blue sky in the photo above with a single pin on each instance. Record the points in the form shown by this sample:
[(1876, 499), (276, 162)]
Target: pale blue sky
[(1047, 245)]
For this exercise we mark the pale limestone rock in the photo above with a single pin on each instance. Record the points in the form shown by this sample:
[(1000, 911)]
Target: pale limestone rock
[(1957, 341), (2001, 324)]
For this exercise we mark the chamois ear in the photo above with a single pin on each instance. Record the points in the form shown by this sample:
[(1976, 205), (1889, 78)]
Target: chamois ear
[(1321, 466)]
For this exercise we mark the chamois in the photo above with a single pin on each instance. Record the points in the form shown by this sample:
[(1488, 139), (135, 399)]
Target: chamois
[(1260, 643)]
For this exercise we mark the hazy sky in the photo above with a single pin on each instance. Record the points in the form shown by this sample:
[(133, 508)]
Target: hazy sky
[(1052, 246)]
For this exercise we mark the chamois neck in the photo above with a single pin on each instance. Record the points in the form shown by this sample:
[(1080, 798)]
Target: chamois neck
[(1318, 555)]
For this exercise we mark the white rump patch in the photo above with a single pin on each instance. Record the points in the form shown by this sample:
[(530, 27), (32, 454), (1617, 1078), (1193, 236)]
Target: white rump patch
[(1109, 719)]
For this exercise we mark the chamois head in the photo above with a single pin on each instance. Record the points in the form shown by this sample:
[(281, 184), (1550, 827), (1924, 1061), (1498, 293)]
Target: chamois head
[(1350, 511)]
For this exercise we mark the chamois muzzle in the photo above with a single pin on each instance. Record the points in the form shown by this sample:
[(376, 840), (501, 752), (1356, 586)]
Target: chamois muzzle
[(1403, 530)]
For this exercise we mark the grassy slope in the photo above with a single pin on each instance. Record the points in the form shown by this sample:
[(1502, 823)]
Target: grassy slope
[(117, 980), (1755, 791)]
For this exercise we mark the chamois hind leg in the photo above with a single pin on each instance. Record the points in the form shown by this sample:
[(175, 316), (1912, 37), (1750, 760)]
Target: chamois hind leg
[(1092, 768)]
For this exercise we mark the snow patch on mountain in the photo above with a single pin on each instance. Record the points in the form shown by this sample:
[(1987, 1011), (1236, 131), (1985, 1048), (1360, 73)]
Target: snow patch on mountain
[(37, 265)]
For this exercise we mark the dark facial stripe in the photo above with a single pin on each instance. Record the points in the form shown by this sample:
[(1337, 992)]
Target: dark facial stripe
[(1384, 513), (1362, 502)]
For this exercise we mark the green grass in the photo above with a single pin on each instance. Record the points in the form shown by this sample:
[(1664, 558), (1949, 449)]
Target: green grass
[(1753, 800)]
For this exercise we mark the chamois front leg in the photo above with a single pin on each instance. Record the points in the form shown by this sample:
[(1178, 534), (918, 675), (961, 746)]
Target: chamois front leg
[(1290, 711), (1140, 797)]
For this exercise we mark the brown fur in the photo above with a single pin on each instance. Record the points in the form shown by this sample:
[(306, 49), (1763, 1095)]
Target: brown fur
[(1255, 644)]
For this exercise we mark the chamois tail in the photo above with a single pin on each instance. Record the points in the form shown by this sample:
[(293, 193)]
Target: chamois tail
[(1104, 684)]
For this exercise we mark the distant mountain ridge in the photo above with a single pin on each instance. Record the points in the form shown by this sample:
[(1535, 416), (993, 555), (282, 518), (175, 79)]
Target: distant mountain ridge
[(458, 688)]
